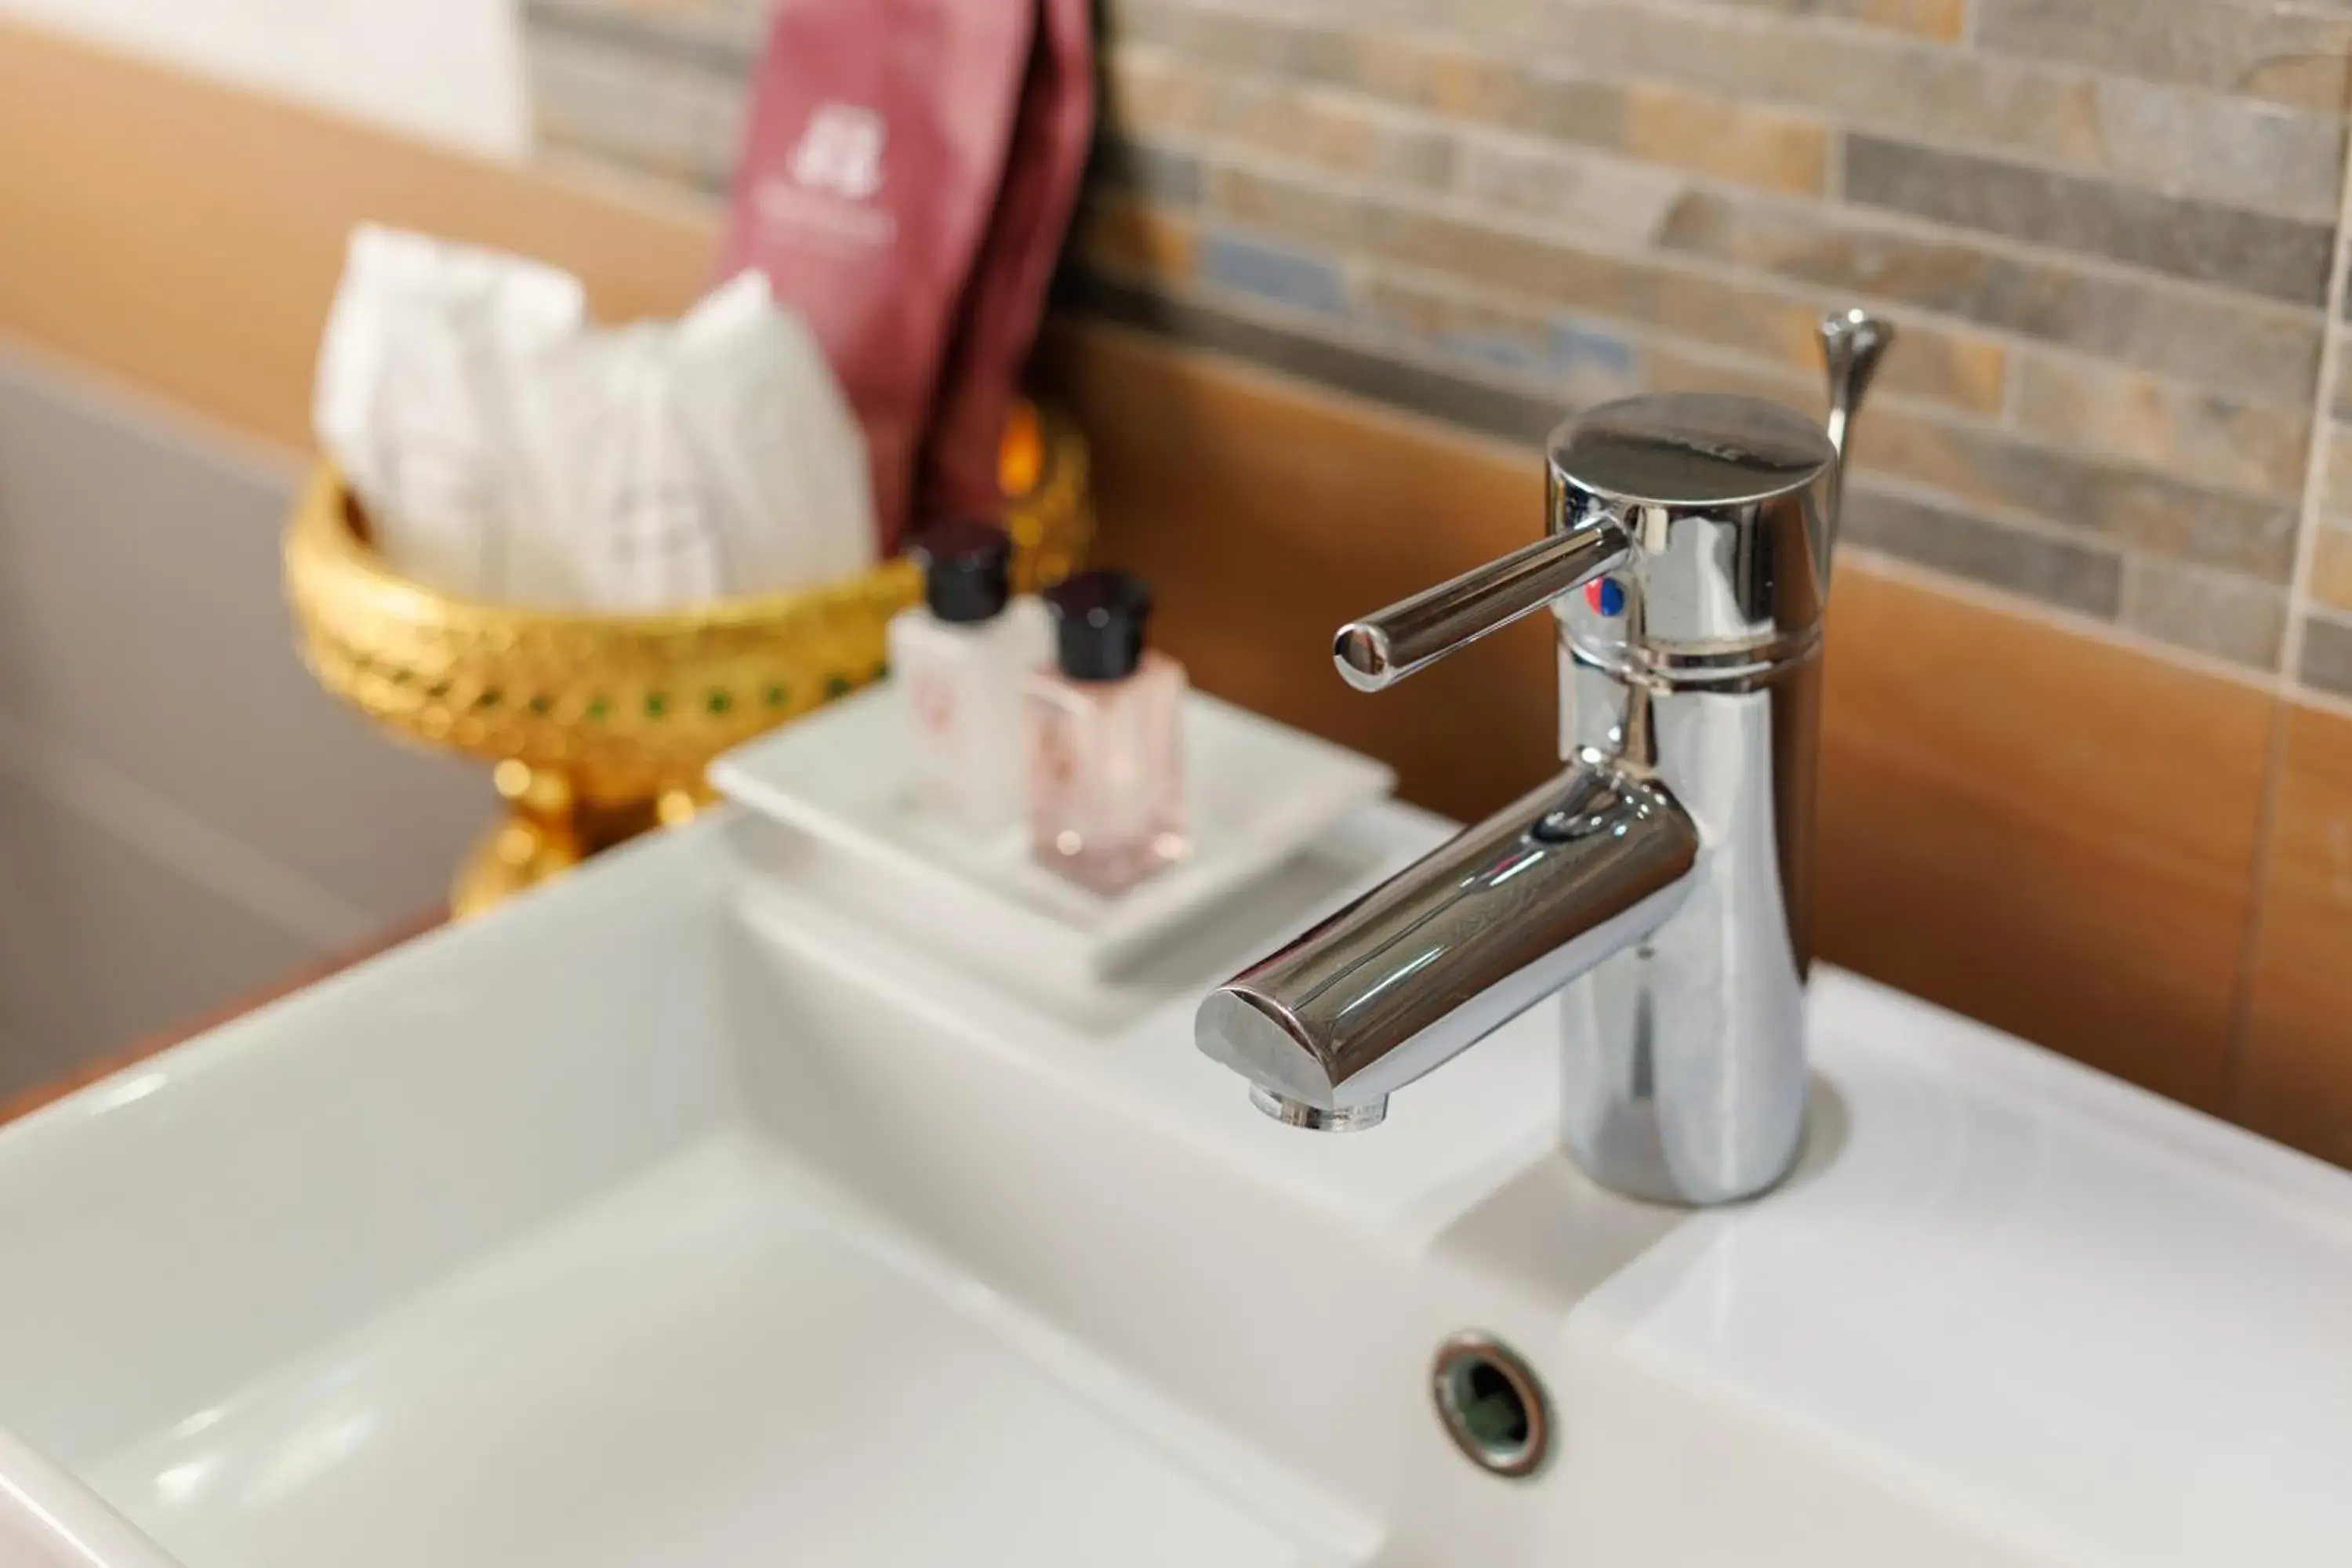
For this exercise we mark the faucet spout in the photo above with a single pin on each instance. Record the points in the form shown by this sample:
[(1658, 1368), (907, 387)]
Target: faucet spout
[(1453, 947)]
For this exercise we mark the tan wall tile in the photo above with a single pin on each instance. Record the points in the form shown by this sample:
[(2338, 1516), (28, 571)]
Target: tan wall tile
[(2206, 437), (2215, 613), (2331, 564), (1155, 93), (2335, 477), (2297, 59), (1148, 87), (1942, 19), (1133, 236), (1450, 78), (1731, 141), (2294, 1077), (1602, 201), (2050, 833)]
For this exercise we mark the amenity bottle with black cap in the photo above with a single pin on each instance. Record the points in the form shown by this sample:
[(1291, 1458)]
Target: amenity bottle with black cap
[(1105, 742), (961, 656)]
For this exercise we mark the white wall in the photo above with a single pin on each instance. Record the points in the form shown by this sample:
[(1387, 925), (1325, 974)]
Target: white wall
[(450, 71)]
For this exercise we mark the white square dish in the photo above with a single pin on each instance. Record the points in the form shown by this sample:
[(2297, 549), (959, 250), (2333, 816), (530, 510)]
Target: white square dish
[(1256, 792)]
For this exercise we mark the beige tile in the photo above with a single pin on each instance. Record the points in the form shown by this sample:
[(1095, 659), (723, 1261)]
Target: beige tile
[(2294, 1064), (1350, 135), (2215, 613), (1729, 139), (1598, 199), (2205, 436), (2267, 52), (1149, 88), (2238, 345), (1542, 98), (1943, 20), (2336, 476), (2331, 564), (1136, 238), (1154, 92)]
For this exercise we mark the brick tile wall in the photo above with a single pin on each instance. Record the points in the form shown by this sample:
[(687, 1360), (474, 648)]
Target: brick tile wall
[(2110, 229)]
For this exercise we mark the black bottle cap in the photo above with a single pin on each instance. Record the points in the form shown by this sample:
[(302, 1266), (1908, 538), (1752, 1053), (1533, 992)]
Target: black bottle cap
[(967, 568), (1098, 625)]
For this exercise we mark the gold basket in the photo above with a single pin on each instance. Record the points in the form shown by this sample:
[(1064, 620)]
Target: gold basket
[(599, 726)]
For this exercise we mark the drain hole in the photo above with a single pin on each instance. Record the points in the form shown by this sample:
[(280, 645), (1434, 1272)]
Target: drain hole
[(1492, 1404)]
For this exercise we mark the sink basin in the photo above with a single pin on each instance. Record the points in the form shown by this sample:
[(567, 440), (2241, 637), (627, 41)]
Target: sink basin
[(677, 1216)]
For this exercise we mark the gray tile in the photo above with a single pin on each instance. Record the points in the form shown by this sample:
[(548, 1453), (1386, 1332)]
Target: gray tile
[(1583, 361), (2246, 347), (142, 623), (2326, 661), (2207, 612), (1503, 412), (2072, 576), (2203, 242), (1271, 271), (2122, 505), (1774, 323), (1163, 174), (2226, 46)]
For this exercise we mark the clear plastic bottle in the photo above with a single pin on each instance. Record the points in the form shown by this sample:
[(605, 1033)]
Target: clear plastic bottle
[(1105, 740), (960, 657)]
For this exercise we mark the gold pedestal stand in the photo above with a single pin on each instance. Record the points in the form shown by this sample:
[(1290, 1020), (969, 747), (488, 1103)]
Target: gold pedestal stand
[(599, 727)]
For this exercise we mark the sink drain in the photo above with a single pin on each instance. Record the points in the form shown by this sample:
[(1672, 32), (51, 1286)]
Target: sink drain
[(1492, 1404)]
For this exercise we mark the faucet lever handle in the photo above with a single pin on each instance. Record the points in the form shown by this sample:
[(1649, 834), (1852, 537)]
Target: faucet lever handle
[(1382, 649)]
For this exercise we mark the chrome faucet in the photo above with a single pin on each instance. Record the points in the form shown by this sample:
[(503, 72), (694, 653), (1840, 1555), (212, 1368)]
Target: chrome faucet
[(1661, 884)]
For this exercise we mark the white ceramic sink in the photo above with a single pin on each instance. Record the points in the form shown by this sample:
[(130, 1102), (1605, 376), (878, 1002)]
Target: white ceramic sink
[(676, 1216)]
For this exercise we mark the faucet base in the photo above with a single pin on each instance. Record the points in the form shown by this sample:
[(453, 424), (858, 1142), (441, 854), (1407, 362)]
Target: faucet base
[(1319, 1119)]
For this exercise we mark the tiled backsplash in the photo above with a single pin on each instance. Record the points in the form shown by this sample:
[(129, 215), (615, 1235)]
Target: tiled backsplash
[(2110, 229)]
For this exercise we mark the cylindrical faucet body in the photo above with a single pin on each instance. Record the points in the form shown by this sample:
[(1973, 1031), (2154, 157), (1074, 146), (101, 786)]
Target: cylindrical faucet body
[(1696, 665)]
